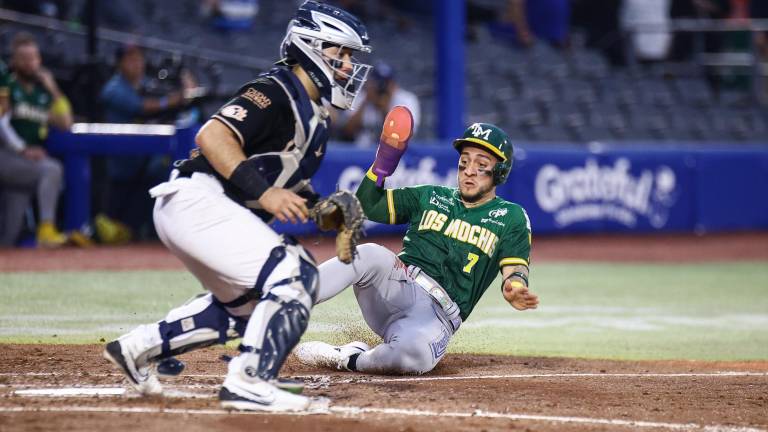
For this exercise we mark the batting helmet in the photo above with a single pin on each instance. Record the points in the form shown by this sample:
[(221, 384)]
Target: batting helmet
[(316, 26), (493, 139)]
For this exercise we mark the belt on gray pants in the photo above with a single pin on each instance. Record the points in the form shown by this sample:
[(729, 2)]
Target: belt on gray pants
[(438, 293)]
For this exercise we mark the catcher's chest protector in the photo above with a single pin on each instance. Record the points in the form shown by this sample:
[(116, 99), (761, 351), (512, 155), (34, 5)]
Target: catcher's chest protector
[(301, 158)]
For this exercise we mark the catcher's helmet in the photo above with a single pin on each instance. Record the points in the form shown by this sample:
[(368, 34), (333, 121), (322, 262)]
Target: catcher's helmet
[(315, 26), (491, 138)]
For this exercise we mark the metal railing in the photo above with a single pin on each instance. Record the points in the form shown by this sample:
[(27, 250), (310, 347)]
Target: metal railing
[(147, 42), (747, 59)]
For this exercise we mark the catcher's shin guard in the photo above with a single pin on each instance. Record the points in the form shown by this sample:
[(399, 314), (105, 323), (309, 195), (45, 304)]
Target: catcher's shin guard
[(280, 318), (199, 323), (283, 331)]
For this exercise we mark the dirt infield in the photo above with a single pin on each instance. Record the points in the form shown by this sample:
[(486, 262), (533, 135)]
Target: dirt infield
[(464, 393), (651, 248)]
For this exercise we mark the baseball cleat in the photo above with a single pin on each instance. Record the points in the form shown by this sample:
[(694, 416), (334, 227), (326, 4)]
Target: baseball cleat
[(259, 396), (321, 354), (141, 377), (246, 391), (49, 237), (289, 385)]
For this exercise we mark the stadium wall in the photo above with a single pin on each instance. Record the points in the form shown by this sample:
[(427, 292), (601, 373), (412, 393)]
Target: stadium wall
[(631, 187)]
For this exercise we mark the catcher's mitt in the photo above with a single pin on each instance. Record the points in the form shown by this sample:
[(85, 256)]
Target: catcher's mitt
[(340, 211)]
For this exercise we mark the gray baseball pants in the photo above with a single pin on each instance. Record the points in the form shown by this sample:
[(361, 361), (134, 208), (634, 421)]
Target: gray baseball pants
[(20, 178), (412, 324)]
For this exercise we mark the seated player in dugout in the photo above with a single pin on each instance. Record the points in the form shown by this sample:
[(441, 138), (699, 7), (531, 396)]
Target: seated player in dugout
[(458, 240), (30, 102)]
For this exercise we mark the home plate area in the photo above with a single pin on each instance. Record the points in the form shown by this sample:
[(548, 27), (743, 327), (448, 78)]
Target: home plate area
[(69, 387)]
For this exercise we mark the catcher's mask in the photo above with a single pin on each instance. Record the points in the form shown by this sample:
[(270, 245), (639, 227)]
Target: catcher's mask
[(317, 26)]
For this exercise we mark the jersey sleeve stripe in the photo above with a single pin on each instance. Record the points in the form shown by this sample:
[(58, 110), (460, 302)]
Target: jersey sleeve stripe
[(513, 261), (229, 125), (371, 175), (391, 206)]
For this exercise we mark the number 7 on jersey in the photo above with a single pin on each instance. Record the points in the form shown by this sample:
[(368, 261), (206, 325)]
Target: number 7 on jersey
[(472, 258)]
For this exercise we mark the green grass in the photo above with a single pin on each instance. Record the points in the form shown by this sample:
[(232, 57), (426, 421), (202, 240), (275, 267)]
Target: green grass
[(595, 310)]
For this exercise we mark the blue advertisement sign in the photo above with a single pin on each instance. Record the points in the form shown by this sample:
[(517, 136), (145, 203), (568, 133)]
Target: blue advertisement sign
[(578, 190), (565, 189)]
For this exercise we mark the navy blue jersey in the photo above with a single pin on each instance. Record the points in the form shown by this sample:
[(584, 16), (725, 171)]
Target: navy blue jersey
[(277, 124)]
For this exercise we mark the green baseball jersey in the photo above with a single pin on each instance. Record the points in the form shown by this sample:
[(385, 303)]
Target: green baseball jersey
[(3, 79), (462, 248), (30, 109)]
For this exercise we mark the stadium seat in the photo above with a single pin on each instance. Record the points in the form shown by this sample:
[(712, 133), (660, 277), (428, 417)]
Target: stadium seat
[(578, 91), (523, 114), (655, 92), (618, 89), (551, 133), (589, 64), (538, 90), (566, 114), (608, 116), (694, 92), (588, 133)]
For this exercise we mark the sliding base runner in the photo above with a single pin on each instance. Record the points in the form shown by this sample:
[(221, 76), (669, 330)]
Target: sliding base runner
[(458, 240)]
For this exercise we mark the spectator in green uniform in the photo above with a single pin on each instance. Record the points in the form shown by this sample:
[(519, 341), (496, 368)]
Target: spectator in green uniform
[(30, 101)]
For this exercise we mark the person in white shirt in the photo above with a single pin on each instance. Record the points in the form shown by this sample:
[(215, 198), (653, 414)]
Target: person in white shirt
[(362, 125), (648, 23)]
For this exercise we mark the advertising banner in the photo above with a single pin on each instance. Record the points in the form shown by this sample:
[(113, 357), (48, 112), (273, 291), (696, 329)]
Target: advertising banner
[(640, 187), (577, 190)]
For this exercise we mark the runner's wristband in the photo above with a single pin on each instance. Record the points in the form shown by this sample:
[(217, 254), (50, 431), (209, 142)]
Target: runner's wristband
[(518, 274), (247, 179)]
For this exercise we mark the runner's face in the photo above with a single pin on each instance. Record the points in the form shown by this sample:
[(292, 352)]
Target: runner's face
[(475, 174)]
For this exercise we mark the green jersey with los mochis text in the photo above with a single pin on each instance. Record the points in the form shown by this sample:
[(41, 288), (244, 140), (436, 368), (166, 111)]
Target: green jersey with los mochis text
[(30, 109), (462, 248)]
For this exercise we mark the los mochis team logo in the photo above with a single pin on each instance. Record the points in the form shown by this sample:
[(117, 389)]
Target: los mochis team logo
[(478, 132)]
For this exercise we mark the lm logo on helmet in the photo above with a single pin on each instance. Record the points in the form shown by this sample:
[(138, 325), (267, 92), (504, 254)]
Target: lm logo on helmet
[(478, 131)]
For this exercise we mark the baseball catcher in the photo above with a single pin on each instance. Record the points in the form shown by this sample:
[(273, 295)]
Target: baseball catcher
[(257, 156), (458, 240)]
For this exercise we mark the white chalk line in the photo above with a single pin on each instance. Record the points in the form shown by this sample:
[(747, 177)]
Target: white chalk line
[(356, 411), (559, 375), (365, 379), (173, 392)]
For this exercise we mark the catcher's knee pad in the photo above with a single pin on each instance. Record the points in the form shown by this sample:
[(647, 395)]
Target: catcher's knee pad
[(201, 322), (308, 274), (295, 278)]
